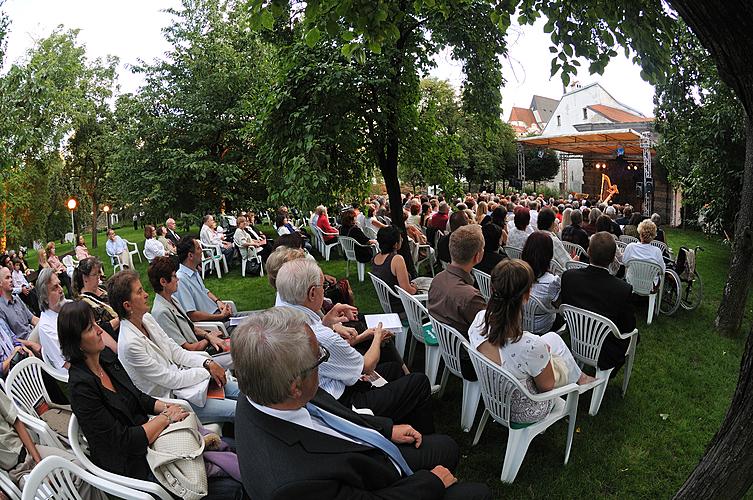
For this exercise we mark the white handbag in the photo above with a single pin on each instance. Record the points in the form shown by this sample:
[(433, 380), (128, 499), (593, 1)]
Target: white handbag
[(176, 459)]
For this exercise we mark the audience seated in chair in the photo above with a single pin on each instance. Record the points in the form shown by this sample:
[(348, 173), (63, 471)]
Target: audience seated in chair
[(456, 220), (152, 247), (519, 228), (171, 234), (113, 413), (538, 253), (494, 237), (645, 250), (156, 364), (540, 363), (116, 248), (212, 238), (593, 288), (453, 300), (548, 223), (323, 223), (81, 251), (350, 229), (13, 349), (296, 441), (389, 266), (60, 269), (13, 310), (168, 245), (404, 399), (574, 233), (86, 288), (175, 322)]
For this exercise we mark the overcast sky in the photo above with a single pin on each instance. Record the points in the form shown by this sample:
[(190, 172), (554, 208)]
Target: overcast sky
[(131, 30)]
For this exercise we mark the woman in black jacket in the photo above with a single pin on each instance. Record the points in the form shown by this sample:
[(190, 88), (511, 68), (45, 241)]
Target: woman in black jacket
[(350, 229), (112, 412)]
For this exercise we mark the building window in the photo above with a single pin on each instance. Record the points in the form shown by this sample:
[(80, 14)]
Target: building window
[(585, 113), (559, 120)]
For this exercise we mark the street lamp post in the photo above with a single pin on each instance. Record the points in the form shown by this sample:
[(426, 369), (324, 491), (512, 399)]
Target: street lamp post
[(72, 203), (106, 210)]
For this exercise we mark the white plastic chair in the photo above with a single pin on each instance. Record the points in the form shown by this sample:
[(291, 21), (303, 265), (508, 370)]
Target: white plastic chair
[(574, 247), (253, 254), (117, 264), (384, 292), (26, 389), (349, 245), (369, 232), (642, 274), (79, 448), (135, 250), (484, 283), (54, 477), (415, 248), (588, 331), (556, 268), (533, 308), (450, 346), (7, 485), (420, 327), (512, 252), (575, 264), (210, 257), (497, 388), (628, 239), (325, 248), (663, 247), (621, 245)]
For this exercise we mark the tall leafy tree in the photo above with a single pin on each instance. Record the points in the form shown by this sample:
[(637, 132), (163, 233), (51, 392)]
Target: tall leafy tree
[(541, 165), (182, 146)]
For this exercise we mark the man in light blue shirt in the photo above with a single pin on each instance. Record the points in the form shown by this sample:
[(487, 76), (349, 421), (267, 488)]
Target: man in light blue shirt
[(116, 248), (200, 304)]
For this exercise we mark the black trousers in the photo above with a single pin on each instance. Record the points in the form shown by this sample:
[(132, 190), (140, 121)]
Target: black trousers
[(406, 399), (438, 449)]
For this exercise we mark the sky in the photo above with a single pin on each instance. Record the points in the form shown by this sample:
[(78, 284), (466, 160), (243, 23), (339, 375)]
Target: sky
[(131, 30)]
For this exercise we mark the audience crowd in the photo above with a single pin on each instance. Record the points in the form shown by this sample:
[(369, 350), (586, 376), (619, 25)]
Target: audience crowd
[(314, 404)]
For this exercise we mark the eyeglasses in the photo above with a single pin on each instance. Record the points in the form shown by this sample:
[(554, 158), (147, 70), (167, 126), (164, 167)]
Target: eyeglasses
[(323, 357)]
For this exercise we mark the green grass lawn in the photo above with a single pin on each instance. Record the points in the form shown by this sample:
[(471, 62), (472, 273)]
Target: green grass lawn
[(642, 446)]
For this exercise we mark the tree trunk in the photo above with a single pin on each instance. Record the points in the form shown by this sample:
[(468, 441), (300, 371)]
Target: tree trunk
[(726, 468), (724, 29)]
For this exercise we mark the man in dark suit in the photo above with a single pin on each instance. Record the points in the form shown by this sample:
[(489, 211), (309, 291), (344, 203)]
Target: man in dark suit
[(593, 288), (296, 441), (171, 234)]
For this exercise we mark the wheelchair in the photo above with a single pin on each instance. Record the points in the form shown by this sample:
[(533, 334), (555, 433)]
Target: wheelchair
[(683, 286)]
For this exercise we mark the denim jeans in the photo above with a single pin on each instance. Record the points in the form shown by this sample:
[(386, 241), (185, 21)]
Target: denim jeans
[(219, 410)]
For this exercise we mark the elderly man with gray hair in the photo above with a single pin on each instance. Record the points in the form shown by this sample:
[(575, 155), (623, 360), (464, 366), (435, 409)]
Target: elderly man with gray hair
[(296, 441), (404, 399)]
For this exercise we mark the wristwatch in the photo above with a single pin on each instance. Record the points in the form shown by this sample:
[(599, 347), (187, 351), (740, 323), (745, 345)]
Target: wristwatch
[(206, 363)]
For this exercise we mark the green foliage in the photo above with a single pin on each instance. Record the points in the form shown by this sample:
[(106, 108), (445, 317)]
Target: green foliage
[(541, 164), (702, 127), (182, 134), (489, 151)]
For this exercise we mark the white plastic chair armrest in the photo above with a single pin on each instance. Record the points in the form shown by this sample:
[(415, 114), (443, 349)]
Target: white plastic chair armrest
[(212, 325), (232, 305), (554, 393), (627, 335), (179, 402)]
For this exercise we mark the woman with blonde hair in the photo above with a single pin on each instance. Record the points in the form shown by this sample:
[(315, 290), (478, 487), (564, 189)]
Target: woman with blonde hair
[(481, 210), (540, 363)]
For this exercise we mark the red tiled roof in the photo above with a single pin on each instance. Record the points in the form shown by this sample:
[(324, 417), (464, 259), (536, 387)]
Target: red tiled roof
[(618, 115), (524, 115)]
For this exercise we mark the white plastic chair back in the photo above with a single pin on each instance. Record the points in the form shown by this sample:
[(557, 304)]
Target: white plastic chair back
[(661, 246), (641, 275), (384, 292), (533, 308), (68, 261), (450, 345), (8, 487), (416, 313), (587, 333), (513, 253), (628, 239), (80, 449), (26, 389), (574, 247), (555, 268), (484, 283), (348, 245), (55, 477), (369, 232), (575, 264), (135, 250), (621, 245)]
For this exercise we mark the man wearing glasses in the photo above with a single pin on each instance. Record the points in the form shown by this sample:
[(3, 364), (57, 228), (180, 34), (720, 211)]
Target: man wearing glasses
[(296, 441), (406, 398)]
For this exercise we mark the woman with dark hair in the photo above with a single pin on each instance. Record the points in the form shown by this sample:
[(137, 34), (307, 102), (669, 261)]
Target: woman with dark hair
[(538, 252), (520, 228), (152, 247), (389, 266), (492, 239), (350, 229), (631, 229), (81, 251), (285, 227), (113, 414), (604, 223), (540, 363), (54, 263), (86, 287), (425, 214)]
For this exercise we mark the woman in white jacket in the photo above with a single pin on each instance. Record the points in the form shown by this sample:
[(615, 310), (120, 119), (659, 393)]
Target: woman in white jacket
[(157, 365)]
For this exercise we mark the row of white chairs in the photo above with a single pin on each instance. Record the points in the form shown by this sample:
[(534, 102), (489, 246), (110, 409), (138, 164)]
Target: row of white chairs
[(495, 384)]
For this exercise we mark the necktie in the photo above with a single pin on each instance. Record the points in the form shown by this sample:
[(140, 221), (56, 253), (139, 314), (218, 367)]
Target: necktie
[(362, 434)]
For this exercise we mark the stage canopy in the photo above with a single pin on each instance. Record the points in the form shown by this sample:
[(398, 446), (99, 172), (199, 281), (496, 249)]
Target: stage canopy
[(593, 142)]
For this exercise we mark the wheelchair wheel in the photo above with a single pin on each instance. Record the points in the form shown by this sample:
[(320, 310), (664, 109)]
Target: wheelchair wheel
[(670, 299), (691, 292)]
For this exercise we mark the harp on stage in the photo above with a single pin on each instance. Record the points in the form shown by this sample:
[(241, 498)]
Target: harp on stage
[(608, 190)]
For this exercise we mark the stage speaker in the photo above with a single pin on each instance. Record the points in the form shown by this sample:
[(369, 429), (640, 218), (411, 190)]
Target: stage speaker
[(649, 185), (639, 189)]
